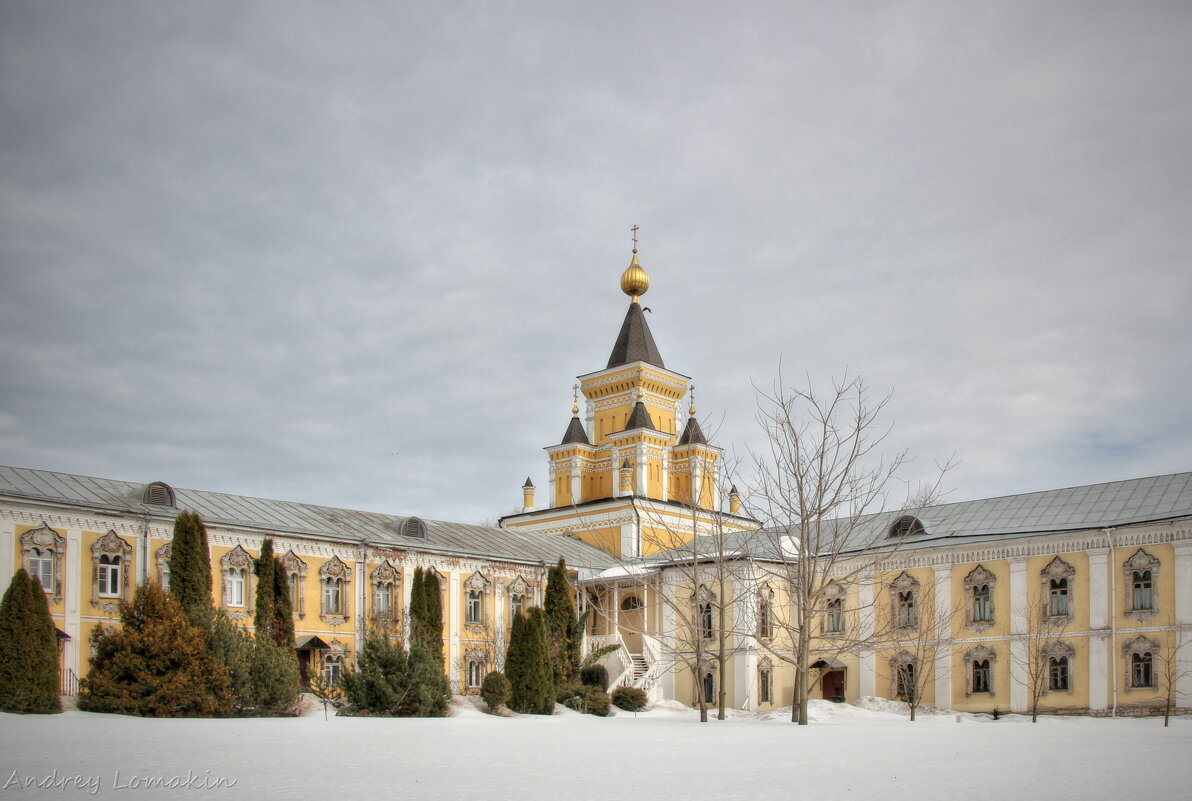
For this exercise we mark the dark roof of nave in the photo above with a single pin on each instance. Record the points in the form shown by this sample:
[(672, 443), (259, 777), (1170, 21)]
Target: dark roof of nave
[(301, 519), (1114, 504), (635, 343), (575, 433)]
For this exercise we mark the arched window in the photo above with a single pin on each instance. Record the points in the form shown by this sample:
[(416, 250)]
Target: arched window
[(765, 681), (981, 609), (1141, 583), (1058, 599), (159, 493), (234, 586), (834, 619), (109, 576), (335, 578), (980, 676), (474, 664), (765, 614), (386, 601), (333, 668), (631, 604), (295, 570), (475, 674), (705, 621), (904, 681), (1057, 673), (905, 526), (709, 686), (475, 607), (904, 595), (1140, 670), (43, 548), (111, 558), (518, 590), (41, 567), (1140, 653), (333, 596)]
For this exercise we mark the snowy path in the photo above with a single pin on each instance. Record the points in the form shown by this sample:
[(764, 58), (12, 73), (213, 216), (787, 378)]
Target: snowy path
[(849, 753)]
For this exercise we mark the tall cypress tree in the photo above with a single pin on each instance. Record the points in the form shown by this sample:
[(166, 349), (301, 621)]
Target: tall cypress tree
[(417, 611), (434, 616), (190, 568), (561, 629), (28, 649), (266, 606), (543, 670), (283, 609)]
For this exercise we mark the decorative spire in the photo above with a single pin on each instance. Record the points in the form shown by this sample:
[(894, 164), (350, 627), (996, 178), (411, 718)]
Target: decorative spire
[(575, 400), (691, 408), (634, 281)]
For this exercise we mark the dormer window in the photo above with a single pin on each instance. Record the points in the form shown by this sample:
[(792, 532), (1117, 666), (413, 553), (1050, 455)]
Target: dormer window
[(159, 494), (414, 527), (906, 526)]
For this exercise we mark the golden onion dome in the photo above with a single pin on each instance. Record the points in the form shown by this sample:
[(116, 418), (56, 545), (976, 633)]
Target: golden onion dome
[(635, 281)]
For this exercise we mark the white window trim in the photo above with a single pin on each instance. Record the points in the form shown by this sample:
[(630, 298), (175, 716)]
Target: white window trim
[(237, 561)]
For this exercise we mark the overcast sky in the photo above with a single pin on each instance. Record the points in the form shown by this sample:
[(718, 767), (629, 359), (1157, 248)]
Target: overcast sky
[(356, 253)]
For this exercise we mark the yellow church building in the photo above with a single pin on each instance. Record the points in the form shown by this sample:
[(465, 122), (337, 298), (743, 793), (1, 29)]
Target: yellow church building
[(1078, 598)]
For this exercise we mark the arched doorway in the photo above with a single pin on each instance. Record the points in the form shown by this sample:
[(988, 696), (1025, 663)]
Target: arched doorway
[(832, 679), (631, 621)]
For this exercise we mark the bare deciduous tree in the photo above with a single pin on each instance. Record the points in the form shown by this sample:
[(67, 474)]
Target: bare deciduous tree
[(1043, 657), (818, 486)]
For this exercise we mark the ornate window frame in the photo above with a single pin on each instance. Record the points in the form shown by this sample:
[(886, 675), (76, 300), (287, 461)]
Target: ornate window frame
[(295, 570), (237, 560), (475, 661), (705, 621), (335, 661), (1056, 651), (476, 589), (765, 612), (1057, 569), (162, 558), (899, 663), (833, 622), (765, 681), (43, 539), (980, 653), (979, 576), (517, 591), (108, 550), (335, 570), (1140, 562), (706, 670), (904, 593), (1140, 647), (386, 575)]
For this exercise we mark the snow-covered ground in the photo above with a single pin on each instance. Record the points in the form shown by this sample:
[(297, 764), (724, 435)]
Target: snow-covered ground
[(847, 752)]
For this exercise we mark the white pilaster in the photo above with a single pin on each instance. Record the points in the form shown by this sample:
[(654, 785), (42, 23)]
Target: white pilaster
[(666, 474), (8, 549), (943, 633), (1018, 650), (453, 618), (630, 540), (407, 591), (1098, 588), (1099, 670), (667, 636), (361, 608), (576, 482), (1183, 616), (867, 662), (641, 473), (72, 586), (745, 680)]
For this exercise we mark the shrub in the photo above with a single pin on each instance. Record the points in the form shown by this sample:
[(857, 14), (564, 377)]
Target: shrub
[(28, 649), (594, 676), (156, 665), (495, 690), (388, 681), (585, 698), (631, 699)]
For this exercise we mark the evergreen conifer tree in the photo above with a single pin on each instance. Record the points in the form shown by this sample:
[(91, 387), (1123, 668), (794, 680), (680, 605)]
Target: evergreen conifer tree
[(190, 568), (562, 635), (275, 677), (28, 649), (426, 614), (388, 681), (417, 612), (265, 610), (543, 670), (157, 664), (283, 609)]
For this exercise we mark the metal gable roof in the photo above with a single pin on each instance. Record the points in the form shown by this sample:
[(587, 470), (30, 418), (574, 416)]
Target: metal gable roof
[(304, 519)]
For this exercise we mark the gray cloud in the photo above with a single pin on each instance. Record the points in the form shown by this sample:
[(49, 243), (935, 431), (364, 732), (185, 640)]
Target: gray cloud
[(357, 255)]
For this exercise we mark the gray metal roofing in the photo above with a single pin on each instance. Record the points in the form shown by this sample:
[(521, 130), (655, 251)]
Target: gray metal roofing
[(304, 519), (1113, 504)]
